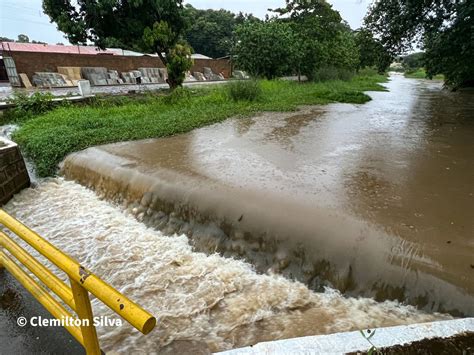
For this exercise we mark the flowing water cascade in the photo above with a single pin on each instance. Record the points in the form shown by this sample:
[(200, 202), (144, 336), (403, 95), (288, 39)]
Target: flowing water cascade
[(373, 200), (284, 225), (202, 302)]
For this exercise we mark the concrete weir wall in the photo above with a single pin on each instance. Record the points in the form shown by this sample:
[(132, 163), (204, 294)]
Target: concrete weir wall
[(270, 233), (13, 174), (445, 337)]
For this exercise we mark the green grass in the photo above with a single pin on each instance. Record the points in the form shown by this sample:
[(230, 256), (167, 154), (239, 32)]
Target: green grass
[(48, 138), (421, 74)]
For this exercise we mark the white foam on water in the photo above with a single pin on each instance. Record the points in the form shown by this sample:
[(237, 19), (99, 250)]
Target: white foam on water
[(206, 302)]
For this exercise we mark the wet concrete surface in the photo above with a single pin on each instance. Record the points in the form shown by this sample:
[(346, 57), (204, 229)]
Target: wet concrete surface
[(16, 302), (373, 199)]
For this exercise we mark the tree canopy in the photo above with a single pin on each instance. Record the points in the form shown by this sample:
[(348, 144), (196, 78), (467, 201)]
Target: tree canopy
[(304, 38), (443, 28), (325, 40), (210, 32), (265, 49), (20, 39), (413, 61), (371, 52)]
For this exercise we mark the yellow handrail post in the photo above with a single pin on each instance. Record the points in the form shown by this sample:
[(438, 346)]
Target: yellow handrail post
[(43, 297), (76, 297), (84, 312)]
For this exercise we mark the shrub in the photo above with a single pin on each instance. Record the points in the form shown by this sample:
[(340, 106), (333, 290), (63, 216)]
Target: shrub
[(179, 62), (177, 95), (35, 104), (248, 90), (28, 106), (332, 73), (368, 71)]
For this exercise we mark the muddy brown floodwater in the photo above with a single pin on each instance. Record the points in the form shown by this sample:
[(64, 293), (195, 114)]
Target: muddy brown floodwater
[(374, 200), (241, 232)]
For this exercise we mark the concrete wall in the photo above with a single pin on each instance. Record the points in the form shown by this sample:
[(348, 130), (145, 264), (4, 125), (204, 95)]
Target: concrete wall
[(13, 174), (31, 62)]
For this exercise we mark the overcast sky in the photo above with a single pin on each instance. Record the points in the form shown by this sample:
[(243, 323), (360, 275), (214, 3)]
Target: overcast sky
[(26, 16)]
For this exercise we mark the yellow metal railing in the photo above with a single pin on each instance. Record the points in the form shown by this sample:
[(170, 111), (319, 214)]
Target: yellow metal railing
[(76, 297)]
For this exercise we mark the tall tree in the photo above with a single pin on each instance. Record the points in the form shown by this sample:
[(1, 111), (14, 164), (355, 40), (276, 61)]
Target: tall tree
[(265, 49), (149, 25), (325, 39), (413, 61), (210, 32), (23, 39), (371, 52), (443, 28)]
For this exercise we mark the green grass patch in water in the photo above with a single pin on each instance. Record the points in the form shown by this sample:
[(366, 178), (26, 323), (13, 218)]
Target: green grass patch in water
[(48, 138)]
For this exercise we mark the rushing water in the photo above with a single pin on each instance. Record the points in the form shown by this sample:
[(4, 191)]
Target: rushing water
[(375, 200), (202, 302)]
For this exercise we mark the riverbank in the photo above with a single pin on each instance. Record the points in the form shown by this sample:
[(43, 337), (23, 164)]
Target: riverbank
[(48, 138), (420, 73)]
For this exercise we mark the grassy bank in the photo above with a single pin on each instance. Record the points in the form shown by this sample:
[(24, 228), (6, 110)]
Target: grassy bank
[(48, 138), (421, 74)]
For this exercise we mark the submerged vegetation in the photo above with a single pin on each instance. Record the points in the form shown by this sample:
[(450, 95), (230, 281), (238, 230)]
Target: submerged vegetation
[(48, 138)]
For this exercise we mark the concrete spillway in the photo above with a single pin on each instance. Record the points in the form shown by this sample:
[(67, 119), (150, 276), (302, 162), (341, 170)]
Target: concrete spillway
[(203, 303)]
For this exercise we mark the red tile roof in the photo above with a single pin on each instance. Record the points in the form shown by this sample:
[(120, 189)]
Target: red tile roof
[(51, 48)]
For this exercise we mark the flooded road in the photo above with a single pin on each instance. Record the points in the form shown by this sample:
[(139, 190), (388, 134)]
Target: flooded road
[(202, 302), (375, 200)]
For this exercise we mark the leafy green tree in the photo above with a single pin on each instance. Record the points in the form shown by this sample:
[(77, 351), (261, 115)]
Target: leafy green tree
[(210, 31), (413, 61), (179, 62), (149, 25), (23, 39), (371, 52), (324, 39), (265, 49), (177, 56), (443, 28)]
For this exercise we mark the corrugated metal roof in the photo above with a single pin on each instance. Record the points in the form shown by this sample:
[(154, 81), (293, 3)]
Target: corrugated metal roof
[(52, 48), (125, 52), (199, 56)]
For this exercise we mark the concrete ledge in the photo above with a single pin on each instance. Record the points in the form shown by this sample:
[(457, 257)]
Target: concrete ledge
[(13, 174), (343, 343)]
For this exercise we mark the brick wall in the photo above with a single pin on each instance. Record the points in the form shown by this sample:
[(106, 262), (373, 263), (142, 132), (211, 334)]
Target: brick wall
[(31, 62), (13, 174)]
